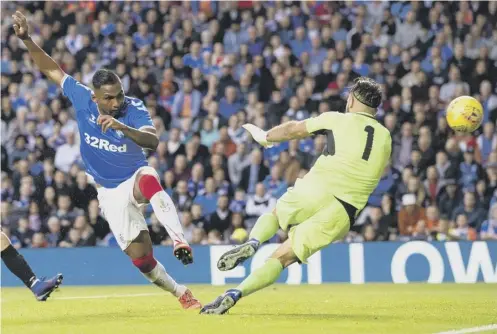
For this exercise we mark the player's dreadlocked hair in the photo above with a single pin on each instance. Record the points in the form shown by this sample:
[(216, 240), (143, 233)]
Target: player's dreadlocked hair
[(104, 77), (367, 91)]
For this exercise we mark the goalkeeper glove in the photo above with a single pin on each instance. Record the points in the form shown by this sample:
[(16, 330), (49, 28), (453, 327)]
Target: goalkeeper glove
[(258, 134)]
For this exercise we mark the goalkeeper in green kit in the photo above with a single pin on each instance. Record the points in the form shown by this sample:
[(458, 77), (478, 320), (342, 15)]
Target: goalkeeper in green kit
[(322, 206)]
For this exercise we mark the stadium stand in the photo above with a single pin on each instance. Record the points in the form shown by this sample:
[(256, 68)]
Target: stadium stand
[(204, 68)]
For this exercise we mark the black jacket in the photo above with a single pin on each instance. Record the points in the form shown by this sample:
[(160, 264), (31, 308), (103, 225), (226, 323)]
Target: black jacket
[(263, 172)]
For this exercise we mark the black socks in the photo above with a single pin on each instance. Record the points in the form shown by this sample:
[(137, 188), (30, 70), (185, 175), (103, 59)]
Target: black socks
[(18, 266)]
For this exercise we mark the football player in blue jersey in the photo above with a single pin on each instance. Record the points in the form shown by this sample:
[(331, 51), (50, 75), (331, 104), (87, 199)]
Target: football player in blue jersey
[(114, 130)]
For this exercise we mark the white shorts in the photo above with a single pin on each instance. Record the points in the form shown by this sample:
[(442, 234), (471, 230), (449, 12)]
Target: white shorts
[(122, 212)]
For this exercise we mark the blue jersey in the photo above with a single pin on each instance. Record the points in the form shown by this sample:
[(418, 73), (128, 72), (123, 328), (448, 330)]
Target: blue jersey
[(110, 157)]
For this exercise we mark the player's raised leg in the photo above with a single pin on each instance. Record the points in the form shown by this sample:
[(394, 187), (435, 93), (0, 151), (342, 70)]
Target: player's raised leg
[(18, 266), (141, 253), (257, 280), (287, 212), (147, 188), (264, 229)]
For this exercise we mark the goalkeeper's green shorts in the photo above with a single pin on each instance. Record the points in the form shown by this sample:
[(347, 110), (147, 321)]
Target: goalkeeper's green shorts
[(314, 221)]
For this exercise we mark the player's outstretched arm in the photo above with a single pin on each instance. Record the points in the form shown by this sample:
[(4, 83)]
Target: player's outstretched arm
[(44, 62), (291, 130), (286, 131)]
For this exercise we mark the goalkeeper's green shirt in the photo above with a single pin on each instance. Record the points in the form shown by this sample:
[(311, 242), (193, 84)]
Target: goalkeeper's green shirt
[(358, 150)]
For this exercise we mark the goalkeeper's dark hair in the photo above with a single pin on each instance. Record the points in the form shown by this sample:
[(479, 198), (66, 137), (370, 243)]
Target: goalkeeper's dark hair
[(104, 77), (367, 91)]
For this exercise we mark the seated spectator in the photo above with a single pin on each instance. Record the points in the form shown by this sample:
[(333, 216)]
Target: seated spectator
[(380, 226), (49, 202), (388, 184), (220, 219), (73, 239), (445, 168), (193, 59), (482, 195), (223, 187), (409, 31), (488, 101), (208, 133), (432, 184), (450, 198), (20, 151), (187, 101), (238, 203), (88, 237), (441, 232), (82, 192), (64, 207), (259, 203), (420, 232), (235, 131), (462, 231), (253, 173), (229, 105), (39, 241), (214, 237), (208, 198), (474, 216), (488, 230), (196, 182), (448, 90), (470, 171), (432, 217), (22, 204), (486, 143), (180, 169), (199, 237), (68, 153), (414, 187), (198, 218), (23, 233), (156, 230), (6, 217), (187, 223), (217, 161), (143, 37), (34, 216), (369, 233), (181, 197), (274, 183), (237, 162), (229, 147), (410, 214)]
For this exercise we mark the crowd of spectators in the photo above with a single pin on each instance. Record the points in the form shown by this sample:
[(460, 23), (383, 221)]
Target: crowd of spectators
[(204, 68)]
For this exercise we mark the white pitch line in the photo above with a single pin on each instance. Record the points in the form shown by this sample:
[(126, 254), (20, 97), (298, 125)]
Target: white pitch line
[(471, 330), (110, 296)]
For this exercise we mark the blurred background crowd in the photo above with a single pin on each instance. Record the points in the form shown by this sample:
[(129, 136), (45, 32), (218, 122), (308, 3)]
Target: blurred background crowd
[(204, 68)]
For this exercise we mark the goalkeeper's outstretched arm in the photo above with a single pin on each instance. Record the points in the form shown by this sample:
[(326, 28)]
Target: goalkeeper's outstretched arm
[(44, 62), (288, 131)]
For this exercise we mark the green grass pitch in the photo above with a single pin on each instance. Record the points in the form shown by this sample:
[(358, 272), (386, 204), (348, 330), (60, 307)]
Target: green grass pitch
[(332, 308)]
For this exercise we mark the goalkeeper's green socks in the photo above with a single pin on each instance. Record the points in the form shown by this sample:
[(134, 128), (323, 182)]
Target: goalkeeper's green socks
[(261, 278), (265, 228)]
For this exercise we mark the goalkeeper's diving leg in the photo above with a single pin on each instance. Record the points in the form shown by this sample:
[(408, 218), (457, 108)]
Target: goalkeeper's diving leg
[(305, 237)]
